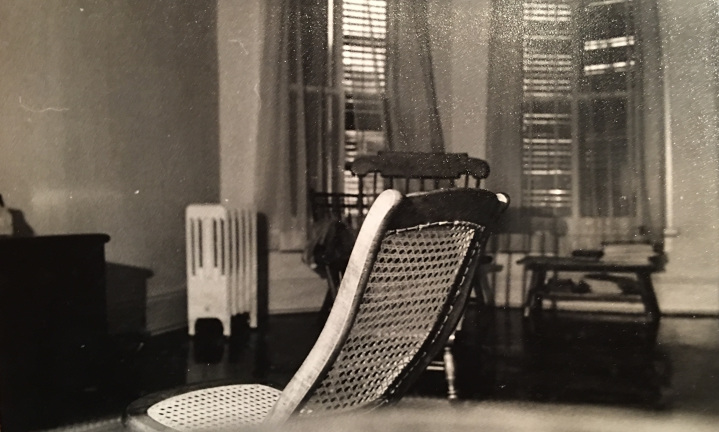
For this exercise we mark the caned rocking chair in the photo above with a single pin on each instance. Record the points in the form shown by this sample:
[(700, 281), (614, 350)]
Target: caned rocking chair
[(404, 289), (407, 172)]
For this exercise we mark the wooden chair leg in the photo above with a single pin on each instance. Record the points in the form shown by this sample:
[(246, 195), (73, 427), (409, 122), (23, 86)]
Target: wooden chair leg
[(449, 369)]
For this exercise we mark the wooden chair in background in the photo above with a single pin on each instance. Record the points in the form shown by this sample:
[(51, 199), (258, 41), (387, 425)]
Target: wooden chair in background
[(403, 171)]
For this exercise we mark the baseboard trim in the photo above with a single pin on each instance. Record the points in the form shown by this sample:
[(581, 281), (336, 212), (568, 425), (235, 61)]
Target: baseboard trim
[(290, 311), (686, 296), (697, 314), (670, 314)]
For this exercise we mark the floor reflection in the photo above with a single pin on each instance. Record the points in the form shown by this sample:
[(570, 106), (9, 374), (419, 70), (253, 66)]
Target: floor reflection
[(495, 362)]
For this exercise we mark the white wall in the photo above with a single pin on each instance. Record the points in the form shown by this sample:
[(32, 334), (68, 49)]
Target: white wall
[(249, 121), (459, 33), (109, 124), (691, 282), (240, 43), (469, 68)]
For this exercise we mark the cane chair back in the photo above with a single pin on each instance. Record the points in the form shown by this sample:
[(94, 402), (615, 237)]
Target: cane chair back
[(404, 290), (414, 276)]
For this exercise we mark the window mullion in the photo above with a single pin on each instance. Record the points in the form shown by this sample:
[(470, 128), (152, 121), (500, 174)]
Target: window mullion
[(634, 68), (574, 101), (336, 96), (363, 58)]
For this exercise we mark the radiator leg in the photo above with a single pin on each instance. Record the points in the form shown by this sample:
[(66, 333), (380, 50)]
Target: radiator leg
[(191, 327), (226, 327)]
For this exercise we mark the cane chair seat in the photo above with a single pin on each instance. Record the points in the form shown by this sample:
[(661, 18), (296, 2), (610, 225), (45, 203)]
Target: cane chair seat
[(408, 278), (216, 408)]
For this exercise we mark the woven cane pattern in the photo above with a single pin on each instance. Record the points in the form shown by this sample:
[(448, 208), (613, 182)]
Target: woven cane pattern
[(215, 408), (412, 277)]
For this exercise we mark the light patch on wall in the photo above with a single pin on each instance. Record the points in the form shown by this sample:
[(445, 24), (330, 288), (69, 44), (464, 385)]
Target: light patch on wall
[(54, 210), (42, 198)]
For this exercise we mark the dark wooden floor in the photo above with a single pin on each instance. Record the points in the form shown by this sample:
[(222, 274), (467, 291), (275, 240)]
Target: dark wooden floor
[(494, 359)]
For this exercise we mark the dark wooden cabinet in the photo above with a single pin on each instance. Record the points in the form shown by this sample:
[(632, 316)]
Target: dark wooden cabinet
[(53, 324)]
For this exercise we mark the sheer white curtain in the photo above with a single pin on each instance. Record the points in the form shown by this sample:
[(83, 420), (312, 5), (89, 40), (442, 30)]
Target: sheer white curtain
[(339, 78), (388, 77), (413, 122), (299, 146), (363, 36)]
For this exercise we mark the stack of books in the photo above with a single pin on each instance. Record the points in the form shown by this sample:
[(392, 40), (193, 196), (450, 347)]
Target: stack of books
[(628, 253)]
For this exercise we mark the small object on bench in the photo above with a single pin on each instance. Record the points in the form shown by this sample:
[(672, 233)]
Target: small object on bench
[(6, 225), (589, 254)]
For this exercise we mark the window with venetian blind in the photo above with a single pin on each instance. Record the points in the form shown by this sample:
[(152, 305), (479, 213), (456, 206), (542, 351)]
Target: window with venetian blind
[(364, 55), (579, 119)]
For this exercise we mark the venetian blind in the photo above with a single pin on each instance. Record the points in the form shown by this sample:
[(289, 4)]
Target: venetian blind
[(607, 133), (578, 130), (547, 110), (364, 59)]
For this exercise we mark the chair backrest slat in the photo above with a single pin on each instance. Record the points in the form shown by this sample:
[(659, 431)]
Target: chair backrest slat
[(404, 171), (410, 171)]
